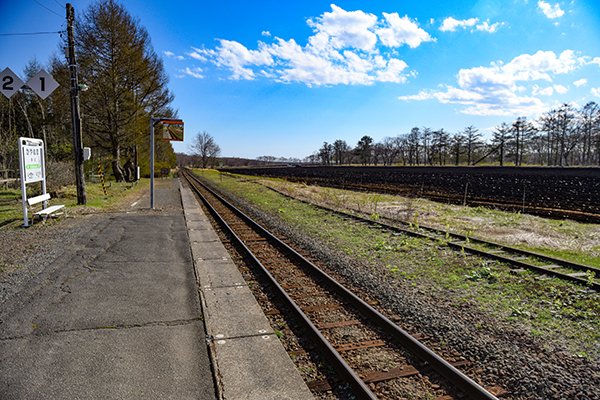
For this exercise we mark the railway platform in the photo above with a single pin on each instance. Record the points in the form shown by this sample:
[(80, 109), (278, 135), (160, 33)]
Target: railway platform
[(119, 316)]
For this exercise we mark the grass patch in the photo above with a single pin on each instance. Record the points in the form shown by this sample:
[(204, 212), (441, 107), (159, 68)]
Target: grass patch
[(551, 308), (11, 206), (570, 240)]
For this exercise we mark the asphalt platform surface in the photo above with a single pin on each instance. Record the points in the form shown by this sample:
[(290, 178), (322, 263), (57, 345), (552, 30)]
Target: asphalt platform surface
[(116, 316)]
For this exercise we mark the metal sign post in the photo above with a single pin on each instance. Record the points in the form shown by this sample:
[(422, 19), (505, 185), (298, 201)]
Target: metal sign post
[(172, 130), (33, 169)]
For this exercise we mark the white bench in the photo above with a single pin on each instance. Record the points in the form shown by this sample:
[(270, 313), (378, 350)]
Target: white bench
[(46, 212)]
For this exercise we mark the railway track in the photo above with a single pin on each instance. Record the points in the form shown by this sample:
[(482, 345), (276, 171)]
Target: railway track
[(349, 333), (582, 274), (442, 197), (461, 185)]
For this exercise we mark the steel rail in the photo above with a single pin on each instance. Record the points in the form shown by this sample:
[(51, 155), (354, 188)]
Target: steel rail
[(462, 382), (466, 247), (359, 388)]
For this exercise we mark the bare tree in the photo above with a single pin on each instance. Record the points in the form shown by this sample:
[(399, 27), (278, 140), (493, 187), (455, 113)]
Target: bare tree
[(500, 138), (340, 151), (206, 148), (389, 149), (457, 141), (413, 146), (589, 125), (522, 131), (439, 145), (427, 145), (472, 141), (364, 149), (326, 153)]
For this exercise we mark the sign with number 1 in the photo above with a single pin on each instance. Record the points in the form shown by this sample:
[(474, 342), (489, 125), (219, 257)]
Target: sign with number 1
[(43, 84)]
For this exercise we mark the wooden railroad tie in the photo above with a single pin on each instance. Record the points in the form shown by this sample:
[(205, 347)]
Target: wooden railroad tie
[(359, 345)]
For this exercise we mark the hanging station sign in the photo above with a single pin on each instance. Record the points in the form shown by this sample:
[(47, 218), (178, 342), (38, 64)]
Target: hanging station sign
[(171, 129)]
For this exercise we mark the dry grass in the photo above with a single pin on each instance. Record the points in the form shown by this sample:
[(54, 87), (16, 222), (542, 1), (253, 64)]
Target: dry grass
[(501, 226)]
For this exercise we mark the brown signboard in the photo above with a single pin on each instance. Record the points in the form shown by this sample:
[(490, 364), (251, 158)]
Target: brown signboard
[(172, 129)]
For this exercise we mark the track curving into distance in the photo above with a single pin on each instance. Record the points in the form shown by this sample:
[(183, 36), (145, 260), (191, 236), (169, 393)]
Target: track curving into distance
[(314, 296)]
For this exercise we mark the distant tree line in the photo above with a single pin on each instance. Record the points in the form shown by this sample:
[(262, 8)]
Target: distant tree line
[(126, 84), (564, 136)]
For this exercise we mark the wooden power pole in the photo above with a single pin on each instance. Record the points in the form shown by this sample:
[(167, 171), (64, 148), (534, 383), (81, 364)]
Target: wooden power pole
[(75, 112)]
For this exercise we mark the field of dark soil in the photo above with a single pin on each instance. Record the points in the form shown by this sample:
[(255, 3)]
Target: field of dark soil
[(555, 192)]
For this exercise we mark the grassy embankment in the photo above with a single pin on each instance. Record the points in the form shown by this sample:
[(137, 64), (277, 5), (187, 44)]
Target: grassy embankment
[(117, 193), (558, 311)]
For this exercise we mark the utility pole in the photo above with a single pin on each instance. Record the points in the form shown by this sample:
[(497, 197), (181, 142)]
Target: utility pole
[(75, 113)]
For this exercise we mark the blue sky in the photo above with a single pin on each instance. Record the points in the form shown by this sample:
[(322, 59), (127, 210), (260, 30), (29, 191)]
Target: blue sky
[(279, 78)]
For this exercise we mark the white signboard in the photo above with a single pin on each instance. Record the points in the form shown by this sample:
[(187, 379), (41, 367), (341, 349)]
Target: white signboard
[(43, 84), (33, 168), (9, 83), (32, 156)]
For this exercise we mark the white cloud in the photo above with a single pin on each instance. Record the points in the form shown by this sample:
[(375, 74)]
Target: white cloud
[(422, 95), (393, 71), (266, 33), (401, 31), (197, 54), (580, 82), (237, 58), (193, 72), (451, 24), (549, 10), (595, 91), (485, 26), (560, 89), (346, 48), (170, 54), (502, 88), (537, 91), (346, 28)]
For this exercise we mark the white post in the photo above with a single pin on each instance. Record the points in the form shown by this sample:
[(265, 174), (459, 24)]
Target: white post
[(45, 203), (23, 185)]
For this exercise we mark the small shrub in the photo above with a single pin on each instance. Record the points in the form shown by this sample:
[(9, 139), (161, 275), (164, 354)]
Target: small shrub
[(59, 174), (482, 274)]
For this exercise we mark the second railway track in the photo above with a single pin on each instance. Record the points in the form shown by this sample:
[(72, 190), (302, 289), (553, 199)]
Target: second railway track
[(349, 332), (585, 275)]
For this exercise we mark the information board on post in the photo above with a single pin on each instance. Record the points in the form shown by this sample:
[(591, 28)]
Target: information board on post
[(33, 156)]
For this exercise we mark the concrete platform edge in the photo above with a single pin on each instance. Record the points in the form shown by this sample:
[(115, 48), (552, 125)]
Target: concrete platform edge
[(249, 361)]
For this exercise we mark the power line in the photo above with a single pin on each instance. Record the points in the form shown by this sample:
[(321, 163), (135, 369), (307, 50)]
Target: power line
[(52, 11), (31, 33)]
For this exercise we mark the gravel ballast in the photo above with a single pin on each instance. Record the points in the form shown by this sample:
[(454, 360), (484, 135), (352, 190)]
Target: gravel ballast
[(504, 352)]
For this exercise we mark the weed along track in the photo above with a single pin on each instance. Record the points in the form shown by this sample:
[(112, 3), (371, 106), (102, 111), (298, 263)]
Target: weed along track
[(518, 259), (370, 354)]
